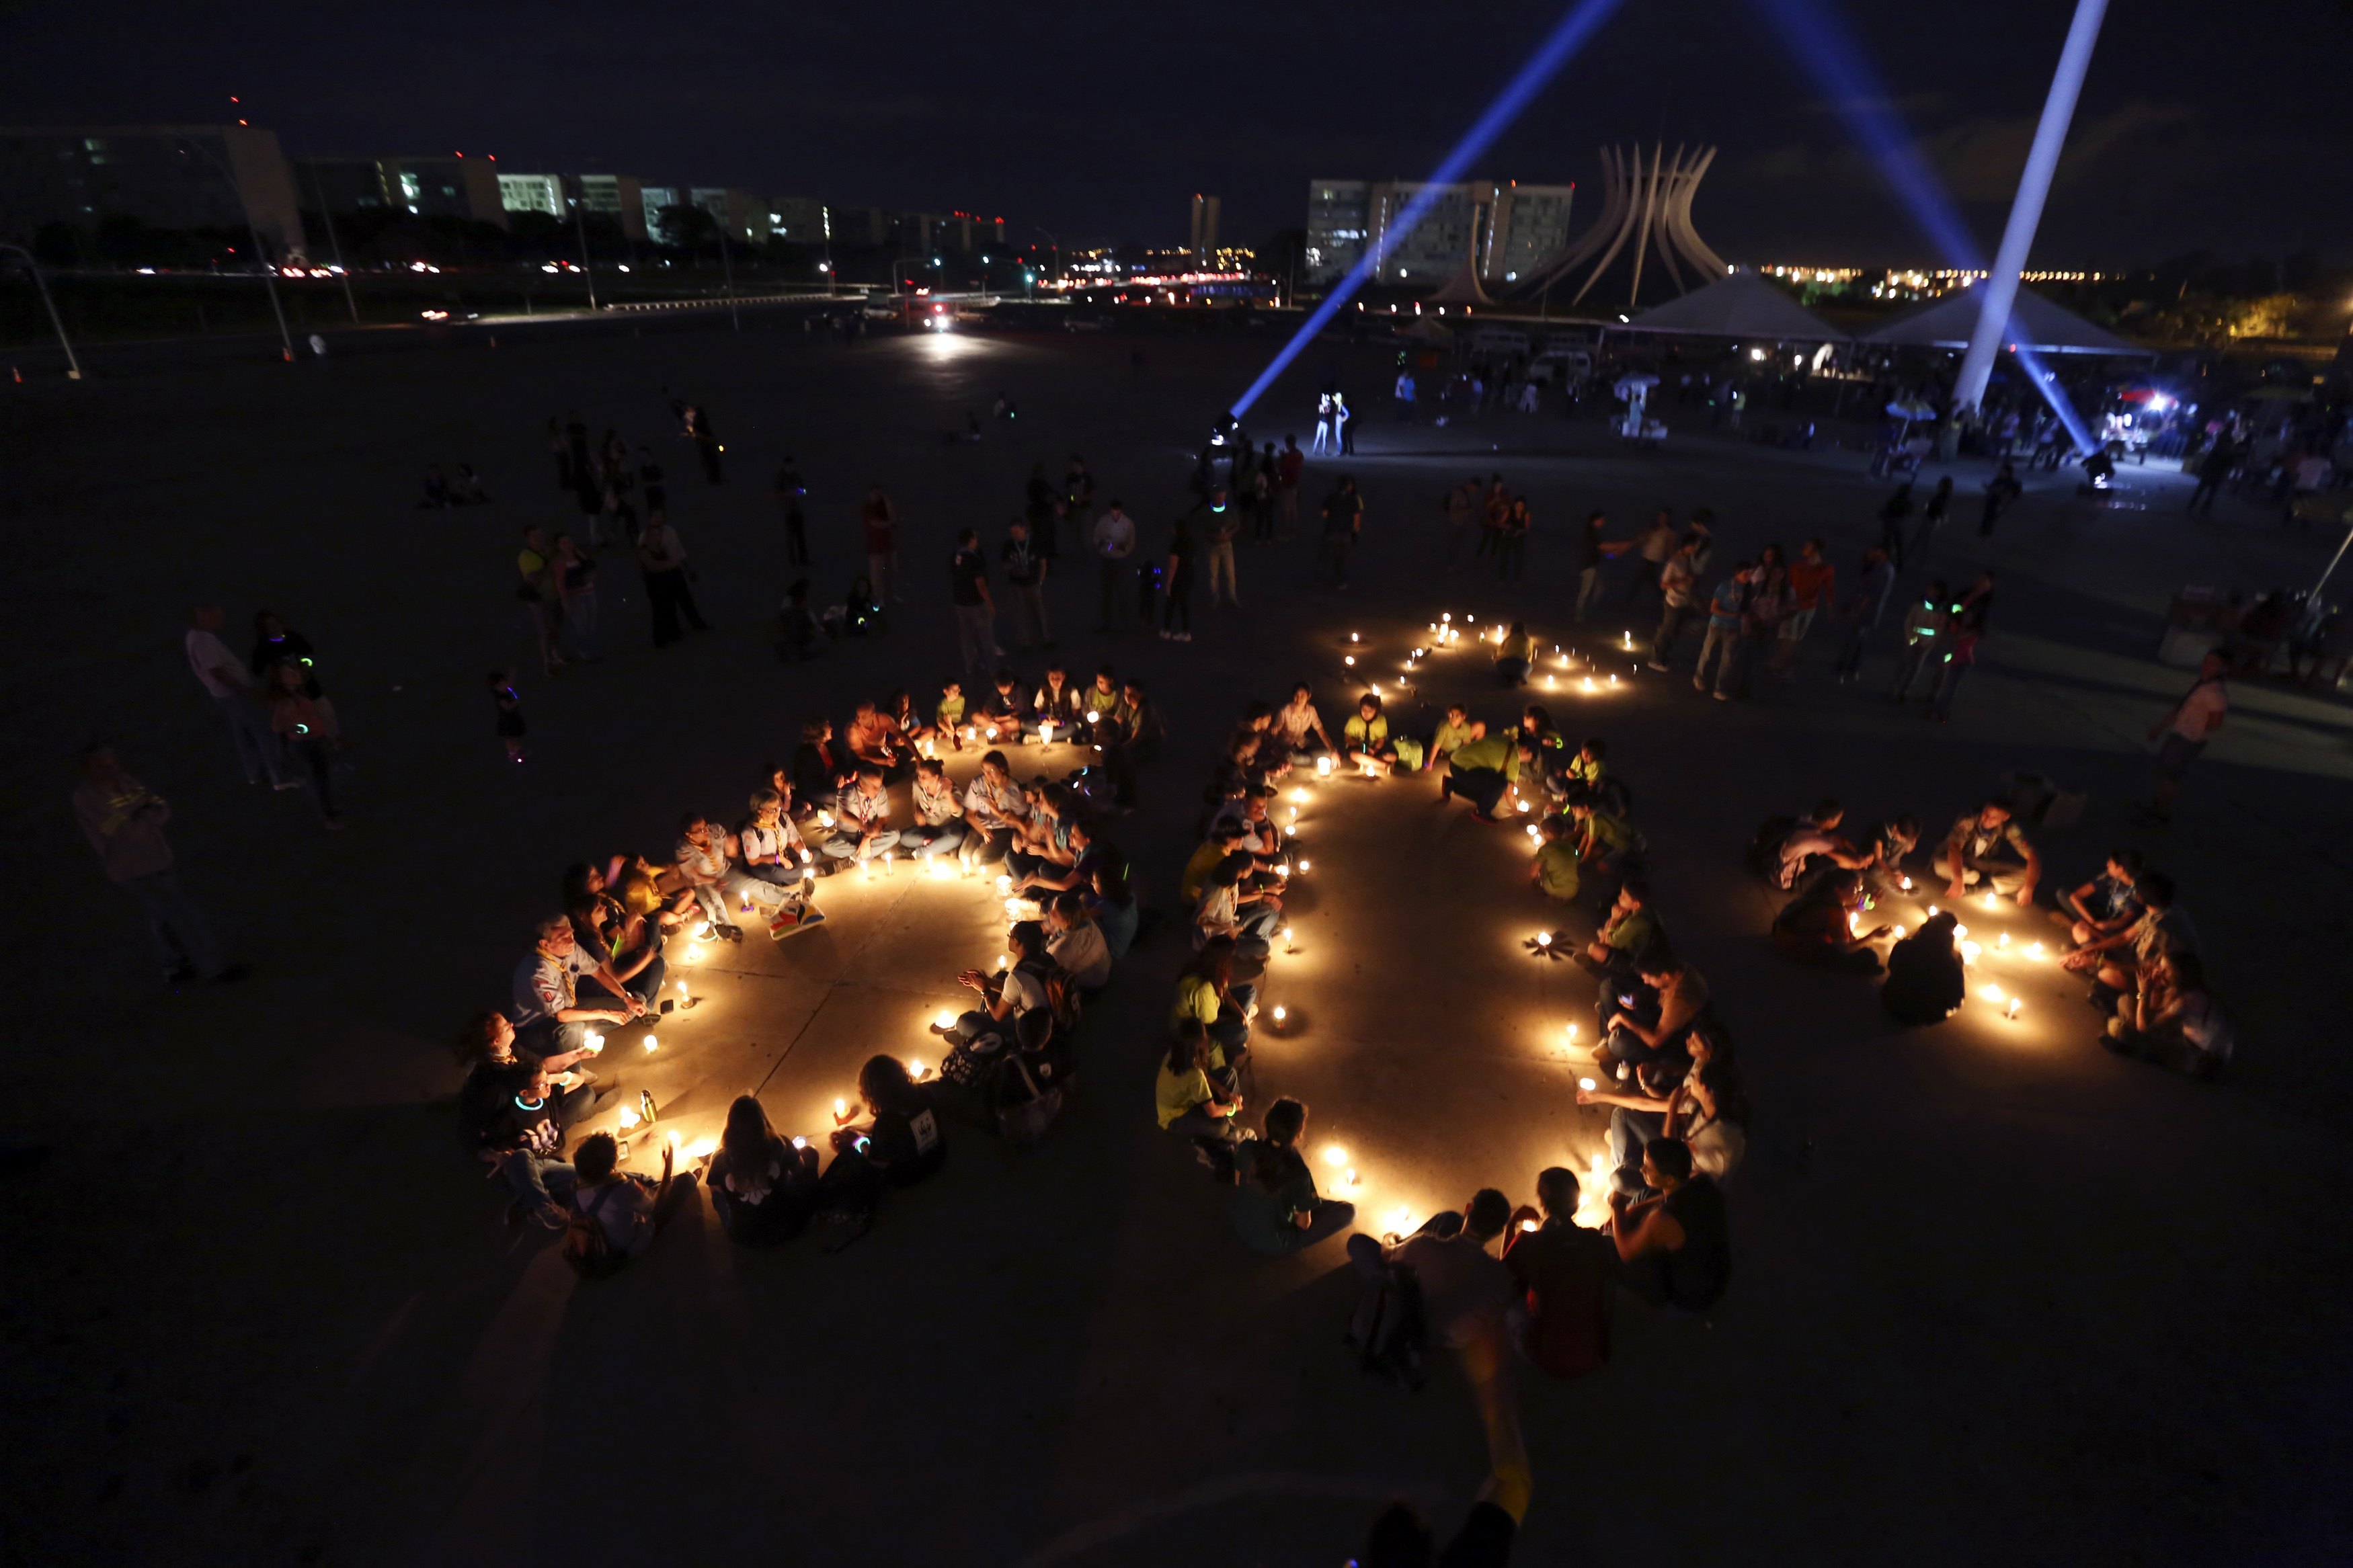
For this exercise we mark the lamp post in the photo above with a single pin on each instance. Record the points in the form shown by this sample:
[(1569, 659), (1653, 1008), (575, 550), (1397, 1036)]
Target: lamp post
[(269, 268), (2026, 208), (587, 264), (73, 365)]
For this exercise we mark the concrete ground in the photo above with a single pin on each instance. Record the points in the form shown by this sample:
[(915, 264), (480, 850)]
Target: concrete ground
[(1996, 1292)]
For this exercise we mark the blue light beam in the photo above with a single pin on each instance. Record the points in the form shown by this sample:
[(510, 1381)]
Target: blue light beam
[(1573, 29), (1828, 52)]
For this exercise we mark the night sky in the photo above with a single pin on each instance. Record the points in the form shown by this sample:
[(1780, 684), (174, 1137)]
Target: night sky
[(2202, 127)]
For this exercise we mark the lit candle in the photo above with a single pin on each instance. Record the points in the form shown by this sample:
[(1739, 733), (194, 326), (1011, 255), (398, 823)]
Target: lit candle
[(1958, 930), (1046, 732), (651, 1043), (1323, 767), (799, 1142), (1896, 932), (1572, 1033), (2035, 951), (1993, 901), (1303, 868), (1299, 798), (1335, 1155), (682, 987), (824, 819), (2011, 1011), (1630, 642), (1551, 684), (1353, 638), (841, 1109), (702, 1148), (1349, 660), (595, 1042), (1000, 960), (946, 1020), (1281, 1014), (1586, 1084), (1401, 1218), (1543, 939), (1347, 1180), (694, 952), (1588, 683), (915, 1068), (1970, 952), (1527, 1224), (1991, 993), (1907, 884), (629, 1118), (2002, 941)]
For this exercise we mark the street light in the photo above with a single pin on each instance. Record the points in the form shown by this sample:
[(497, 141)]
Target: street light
[(269, 268), (73, 365)]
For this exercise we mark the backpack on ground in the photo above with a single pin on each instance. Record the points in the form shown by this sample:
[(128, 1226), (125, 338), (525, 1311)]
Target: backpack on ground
[(1025, 1109), (1391, 1329), (586, 1247), (1764, 856)]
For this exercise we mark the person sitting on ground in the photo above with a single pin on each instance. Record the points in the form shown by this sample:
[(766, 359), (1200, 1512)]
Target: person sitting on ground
[(874, 741), (1059, 703), (951, 715), (1017, 989), (865, 812), (2121, 961), (1626, 1041), (1080, 840), (1364, 739), (1927, 981), (1466, 1291), (899, 708), (486, 1046), (1707, 1109), (1076, 943), (626, 1208), (550, 1018), (1102, 697), (938, 827), (991, 806), (821, 768), (2172, 1022), (1277, 1211), (1112, 901), (1482, 770), (1554, 870), (1677, 1247), (763, 1188), (516, 1125), (1040, 841), (1206, 991), (1976, 854), (653, 892), (711, 876), (1821, 926), (1227, 909), (1261, 840), (1514, 654), (1300, 727), (1457, 731), (1627, 934), (1225, 838), (770, 851), (1563, 1271), (1891, 844), (1604, 841), (1131, 739), (1187, 1101), (609, 945), (1004, 710), (2108, 903), (1589, 766), (900, 1143), (1814, 845)]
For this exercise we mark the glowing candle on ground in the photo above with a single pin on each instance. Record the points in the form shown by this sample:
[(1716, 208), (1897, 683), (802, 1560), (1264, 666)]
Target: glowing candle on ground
[(595, 1042), (946, 1020), (1572, 1033), (1353, 638), (1993, 901), (1543, 939), (651, 1043), (1958, 930), (1896, 932), (693, 953), (628, 1119), (1350, 660), (2011, 1011), (682, 987), (1588, 683), (1004, 883), (1907, 884), (702, 1148), (1400, 1219), (2002, 941), (1280, 1015), (1970, 952), (1299, 798), (1527, 1224), (1991, 993), (1303, 868), (2035, 951), (915, 1068), (1335, 1155), (1323, 768)]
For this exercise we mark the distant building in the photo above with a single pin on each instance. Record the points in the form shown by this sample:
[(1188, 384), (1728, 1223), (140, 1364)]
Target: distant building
[(801, 219), (167, 176), (533, 194), (1502, 229), (431, 186), (618, 196), (1205, 224)]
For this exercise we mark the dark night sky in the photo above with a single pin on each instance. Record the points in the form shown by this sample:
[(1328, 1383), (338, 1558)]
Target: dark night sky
[(2202, 126)]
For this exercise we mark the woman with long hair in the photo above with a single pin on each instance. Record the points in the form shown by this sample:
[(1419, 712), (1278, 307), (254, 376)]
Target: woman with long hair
[(1205, 993), (900, 1142), (303, 734), (763, 1187), (1277, 1210)]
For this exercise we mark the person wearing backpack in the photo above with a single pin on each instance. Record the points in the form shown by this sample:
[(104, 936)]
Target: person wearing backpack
[(616, 1214), (1018, 989)]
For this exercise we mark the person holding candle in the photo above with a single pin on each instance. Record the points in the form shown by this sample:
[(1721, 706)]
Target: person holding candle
[(1059, 704), (770, 849), (763, 1188), (1206, 992), (950, 713), (1677, 1247), (991, 807), (1364, 738), (511, 1113), (1188, 1104), (1707, 1107), (1605, 842), (1821, 926), (2121, 962), (1277, 1210), (1927, 981), (875, 740), (902, 1142), (1563, 1272), (1226, 909), (938, 824), (1681, 995), (629, 1210), (702, 861), (629, 948)]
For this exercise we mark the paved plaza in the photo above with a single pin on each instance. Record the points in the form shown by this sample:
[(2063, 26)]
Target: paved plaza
[(1997, 1293)]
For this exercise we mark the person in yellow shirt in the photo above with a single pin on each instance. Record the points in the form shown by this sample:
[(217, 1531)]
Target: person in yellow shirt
[(1515, 654), (1603, 839), (1224, 839), (1554, 869), (1206, 994), (950, 713), (1187, 1102), (1364, 739), (1484, 769), (1458, 731)]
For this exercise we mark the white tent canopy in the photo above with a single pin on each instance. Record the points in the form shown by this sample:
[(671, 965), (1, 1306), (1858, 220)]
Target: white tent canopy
[(1743, 305), (2043, 326)]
